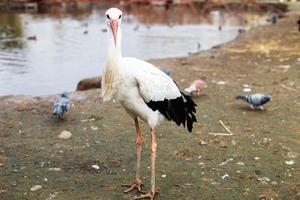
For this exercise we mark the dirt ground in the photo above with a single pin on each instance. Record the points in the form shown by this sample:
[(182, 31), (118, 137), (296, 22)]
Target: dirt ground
[(259, 161)]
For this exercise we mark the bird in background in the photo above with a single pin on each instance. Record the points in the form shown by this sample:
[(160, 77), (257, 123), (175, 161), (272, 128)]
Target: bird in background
[(61, 105), (167, 71), (196, 87), (256, 101), (298, 22), (274, 19), (145, 92)]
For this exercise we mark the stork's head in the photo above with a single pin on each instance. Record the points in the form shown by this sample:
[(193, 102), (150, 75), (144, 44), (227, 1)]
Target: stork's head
[(113, 21)]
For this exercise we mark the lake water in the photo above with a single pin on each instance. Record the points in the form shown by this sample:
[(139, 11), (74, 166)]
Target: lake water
[(50, 53)]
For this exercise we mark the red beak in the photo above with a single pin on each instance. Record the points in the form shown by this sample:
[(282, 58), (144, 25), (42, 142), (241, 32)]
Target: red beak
[(114, 28)]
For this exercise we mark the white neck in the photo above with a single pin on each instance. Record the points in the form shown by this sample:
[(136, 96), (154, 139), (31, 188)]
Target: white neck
[(114, 50)]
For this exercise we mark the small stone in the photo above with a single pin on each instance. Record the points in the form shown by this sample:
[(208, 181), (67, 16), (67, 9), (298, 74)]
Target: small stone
[(221, 82), (35, 188), (3, 191), (96, 167), (262, 197), (247, 89), (289, 162), (264, 180), (223, 144), (274, 183), (240, 163), (94, 128), (256, 158), (225, 176), (164, 176), (233, 142), (292, 154), (65, 135), (56, 169), (226, 161)]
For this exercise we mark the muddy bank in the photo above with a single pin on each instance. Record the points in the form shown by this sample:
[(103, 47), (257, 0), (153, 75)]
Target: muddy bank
[(260, 161)]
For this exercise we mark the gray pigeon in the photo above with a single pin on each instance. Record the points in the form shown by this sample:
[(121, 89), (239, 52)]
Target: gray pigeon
[(61, 105), (256, 100)]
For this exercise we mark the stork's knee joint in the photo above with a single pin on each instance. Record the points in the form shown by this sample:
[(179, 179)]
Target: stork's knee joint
[(139, 140), (154, 147)]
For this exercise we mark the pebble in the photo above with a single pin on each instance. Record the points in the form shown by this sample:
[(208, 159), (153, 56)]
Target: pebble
[(226, 161), (163, 176), (225, 176), (247, 89), (3, 191), (96, 167), (264, 180), (289, 162), (221, 82), (292, 154), (35, 188), (240, 163), (65, 135), (57, 169), (94, 128)]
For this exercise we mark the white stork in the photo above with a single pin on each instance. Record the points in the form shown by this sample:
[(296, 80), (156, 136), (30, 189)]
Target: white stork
[(145, 92)]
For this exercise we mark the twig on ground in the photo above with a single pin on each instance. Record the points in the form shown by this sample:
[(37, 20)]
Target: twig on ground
[(220, 134), (225, 127), (289, 88)]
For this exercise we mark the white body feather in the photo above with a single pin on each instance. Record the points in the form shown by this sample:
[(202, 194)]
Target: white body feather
[(138, 82)]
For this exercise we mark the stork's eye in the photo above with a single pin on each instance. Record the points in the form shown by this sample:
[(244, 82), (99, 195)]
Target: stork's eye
[(107, 16), (120, 16)]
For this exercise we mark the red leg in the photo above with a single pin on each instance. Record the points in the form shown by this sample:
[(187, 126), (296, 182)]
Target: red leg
[(137, 183), (150, 194)]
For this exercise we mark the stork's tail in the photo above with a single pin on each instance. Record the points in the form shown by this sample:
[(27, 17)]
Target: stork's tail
[(181, 110), (190, 110)]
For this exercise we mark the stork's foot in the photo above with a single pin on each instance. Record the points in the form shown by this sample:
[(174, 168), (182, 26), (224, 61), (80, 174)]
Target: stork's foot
[(136, 184), (149, 194)]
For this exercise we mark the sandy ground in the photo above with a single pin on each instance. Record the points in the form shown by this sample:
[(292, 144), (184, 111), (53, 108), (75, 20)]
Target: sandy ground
[(260, 161)]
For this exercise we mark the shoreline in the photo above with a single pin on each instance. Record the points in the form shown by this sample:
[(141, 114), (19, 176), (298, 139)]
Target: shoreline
[(154, 60)]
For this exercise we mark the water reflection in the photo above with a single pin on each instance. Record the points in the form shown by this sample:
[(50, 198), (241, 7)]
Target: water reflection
[(49, 53)]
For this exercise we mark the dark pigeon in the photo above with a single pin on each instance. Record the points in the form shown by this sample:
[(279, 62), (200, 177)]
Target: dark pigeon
[(298, 22), (61, 105), (256, 100), (274, 19)]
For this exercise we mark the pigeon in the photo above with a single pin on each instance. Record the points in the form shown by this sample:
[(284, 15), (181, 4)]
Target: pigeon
[(61, 105), (298, 22), (167, 71), (274, 19), (196, 87), (256, 100), (32, 38), (136, 27)]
